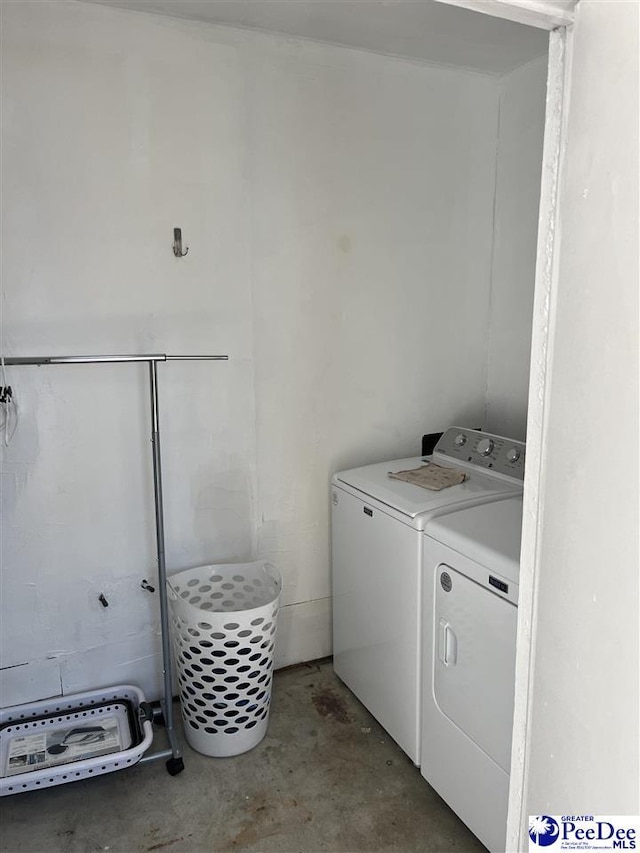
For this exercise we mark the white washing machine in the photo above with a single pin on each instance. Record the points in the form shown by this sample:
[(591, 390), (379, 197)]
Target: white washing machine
[(378, 526), (470, 593)]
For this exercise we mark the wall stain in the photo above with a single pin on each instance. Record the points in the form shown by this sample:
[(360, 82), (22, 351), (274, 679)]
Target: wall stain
[(329, 704), (344, 244)]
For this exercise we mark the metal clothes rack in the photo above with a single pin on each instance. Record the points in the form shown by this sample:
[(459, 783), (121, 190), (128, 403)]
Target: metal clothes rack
[(174, 762)]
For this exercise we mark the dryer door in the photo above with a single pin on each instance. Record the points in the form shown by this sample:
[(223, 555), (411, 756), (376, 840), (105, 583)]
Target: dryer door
[(474, 661)]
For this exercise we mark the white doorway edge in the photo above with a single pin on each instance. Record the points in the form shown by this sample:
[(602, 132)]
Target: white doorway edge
[(557, 17), (544, 314), (544, 14)]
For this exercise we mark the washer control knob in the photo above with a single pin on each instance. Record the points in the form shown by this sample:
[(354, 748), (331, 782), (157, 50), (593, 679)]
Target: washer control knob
[(485, 446), (513, 455), (460, 439)]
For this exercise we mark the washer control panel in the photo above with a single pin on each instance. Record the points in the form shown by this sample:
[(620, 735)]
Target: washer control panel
[(484, 450)]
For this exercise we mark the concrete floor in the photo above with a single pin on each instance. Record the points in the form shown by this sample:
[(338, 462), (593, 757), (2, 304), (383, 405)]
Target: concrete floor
[(327, 777)]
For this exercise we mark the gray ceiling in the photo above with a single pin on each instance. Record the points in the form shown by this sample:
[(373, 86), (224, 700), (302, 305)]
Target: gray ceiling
[(420, 30)]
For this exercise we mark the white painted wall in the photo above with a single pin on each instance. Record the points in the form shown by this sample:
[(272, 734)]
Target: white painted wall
[(518, 168), (581, 734), (337, 205), (109, 124), (373, 186)]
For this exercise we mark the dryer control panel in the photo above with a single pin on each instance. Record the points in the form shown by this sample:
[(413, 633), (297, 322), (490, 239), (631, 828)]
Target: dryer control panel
[(484, 450)]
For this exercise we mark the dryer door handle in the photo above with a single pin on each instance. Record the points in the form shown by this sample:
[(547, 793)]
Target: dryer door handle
[(447, 644)]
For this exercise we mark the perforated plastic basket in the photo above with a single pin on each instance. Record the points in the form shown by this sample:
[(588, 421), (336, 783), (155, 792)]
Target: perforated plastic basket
[(41, 744), (223, 622)]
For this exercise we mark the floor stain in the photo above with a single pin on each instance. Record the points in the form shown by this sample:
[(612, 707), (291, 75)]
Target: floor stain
[(329, 704), (164, 843), (266, 816)]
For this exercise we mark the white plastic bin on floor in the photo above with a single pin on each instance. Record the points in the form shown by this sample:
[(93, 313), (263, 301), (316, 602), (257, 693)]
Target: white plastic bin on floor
[(68, 738), (223, 622)]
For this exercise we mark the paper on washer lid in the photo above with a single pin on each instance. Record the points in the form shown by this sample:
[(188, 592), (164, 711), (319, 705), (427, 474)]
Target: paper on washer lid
[(431, 476)]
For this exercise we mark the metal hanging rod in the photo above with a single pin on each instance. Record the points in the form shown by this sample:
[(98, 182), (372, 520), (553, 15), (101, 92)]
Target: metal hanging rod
[(105, 359)]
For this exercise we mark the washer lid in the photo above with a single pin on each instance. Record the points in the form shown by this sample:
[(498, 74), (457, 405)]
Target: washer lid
[(410, 500), (488, 534)]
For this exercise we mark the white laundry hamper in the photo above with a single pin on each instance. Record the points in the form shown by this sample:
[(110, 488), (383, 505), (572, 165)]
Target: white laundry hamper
[(223, 624)]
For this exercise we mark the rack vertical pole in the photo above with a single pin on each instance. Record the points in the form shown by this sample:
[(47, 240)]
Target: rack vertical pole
[(167, 702)]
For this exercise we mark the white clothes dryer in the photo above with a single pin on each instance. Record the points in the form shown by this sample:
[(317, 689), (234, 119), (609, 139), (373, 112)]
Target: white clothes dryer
[(378, 526), (470, 594)]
